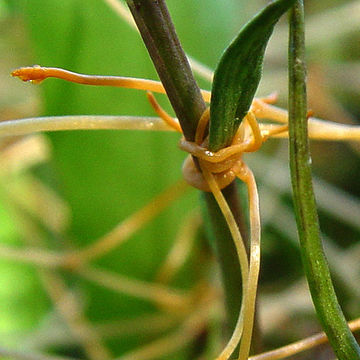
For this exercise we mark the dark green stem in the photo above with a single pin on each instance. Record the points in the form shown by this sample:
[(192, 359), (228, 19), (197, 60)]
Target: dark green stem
[(315, 264), (158, 33)]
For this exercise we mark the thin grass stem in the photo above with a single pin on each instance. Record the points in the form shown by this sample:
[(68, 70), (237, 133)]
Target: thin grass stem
[(181, 248), (301, 345), (143, 325), (130, 225), (170, 299), (318, 129), (314, 260), (70, 309), (255, 233), (160, 294), (32, 256), (29, 355), (177, 340), (80, 122)]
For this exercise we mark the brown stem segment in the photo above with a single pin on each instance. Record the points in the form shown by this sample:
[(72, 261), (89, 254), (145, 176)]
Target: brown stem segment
[(159, 36)]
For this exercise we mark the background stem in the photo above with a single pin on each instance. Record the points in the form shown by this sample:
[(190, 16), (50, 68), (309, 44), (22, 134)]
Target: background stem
[(315, 264)]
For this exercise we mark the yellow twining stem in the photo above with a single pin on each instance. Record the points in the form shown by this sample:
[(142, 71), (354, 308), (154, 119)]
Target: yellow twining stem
[(163, 114), (262, 108), (255, 232), (38, 73), (242, 255)]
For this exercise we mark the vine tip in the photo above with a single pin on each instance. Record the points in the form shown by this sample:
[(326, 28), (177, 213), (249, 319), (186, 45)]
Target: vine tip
[(35, 74)]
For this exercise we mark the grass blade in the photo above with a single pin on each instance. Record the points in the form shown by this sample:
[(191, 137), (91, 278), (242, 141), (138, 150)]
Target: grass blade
[(315, 264)]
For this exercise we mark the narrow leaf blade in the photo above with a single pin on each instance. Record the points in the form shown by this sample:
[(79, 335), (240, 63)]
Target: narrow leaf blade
[(238, 74)]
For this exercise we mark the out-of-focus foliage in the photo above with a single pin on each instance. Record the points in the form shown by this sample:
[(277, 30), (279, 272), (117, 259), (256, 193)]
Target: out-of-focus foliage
[(104, 176)]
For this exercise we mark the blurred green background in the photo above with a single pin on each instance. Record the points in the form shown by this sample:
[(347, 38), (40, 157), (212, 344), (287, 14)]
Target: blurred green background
[(98, 178)]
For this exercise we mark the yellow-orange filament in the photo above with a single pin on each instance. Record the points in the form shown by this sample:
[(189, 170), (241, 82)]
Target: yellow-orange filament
[(163, 114), (38, 73)]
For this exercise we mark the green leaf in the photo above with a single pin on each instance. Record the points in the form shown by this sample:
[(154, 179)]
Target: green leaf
[(238, 74)]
